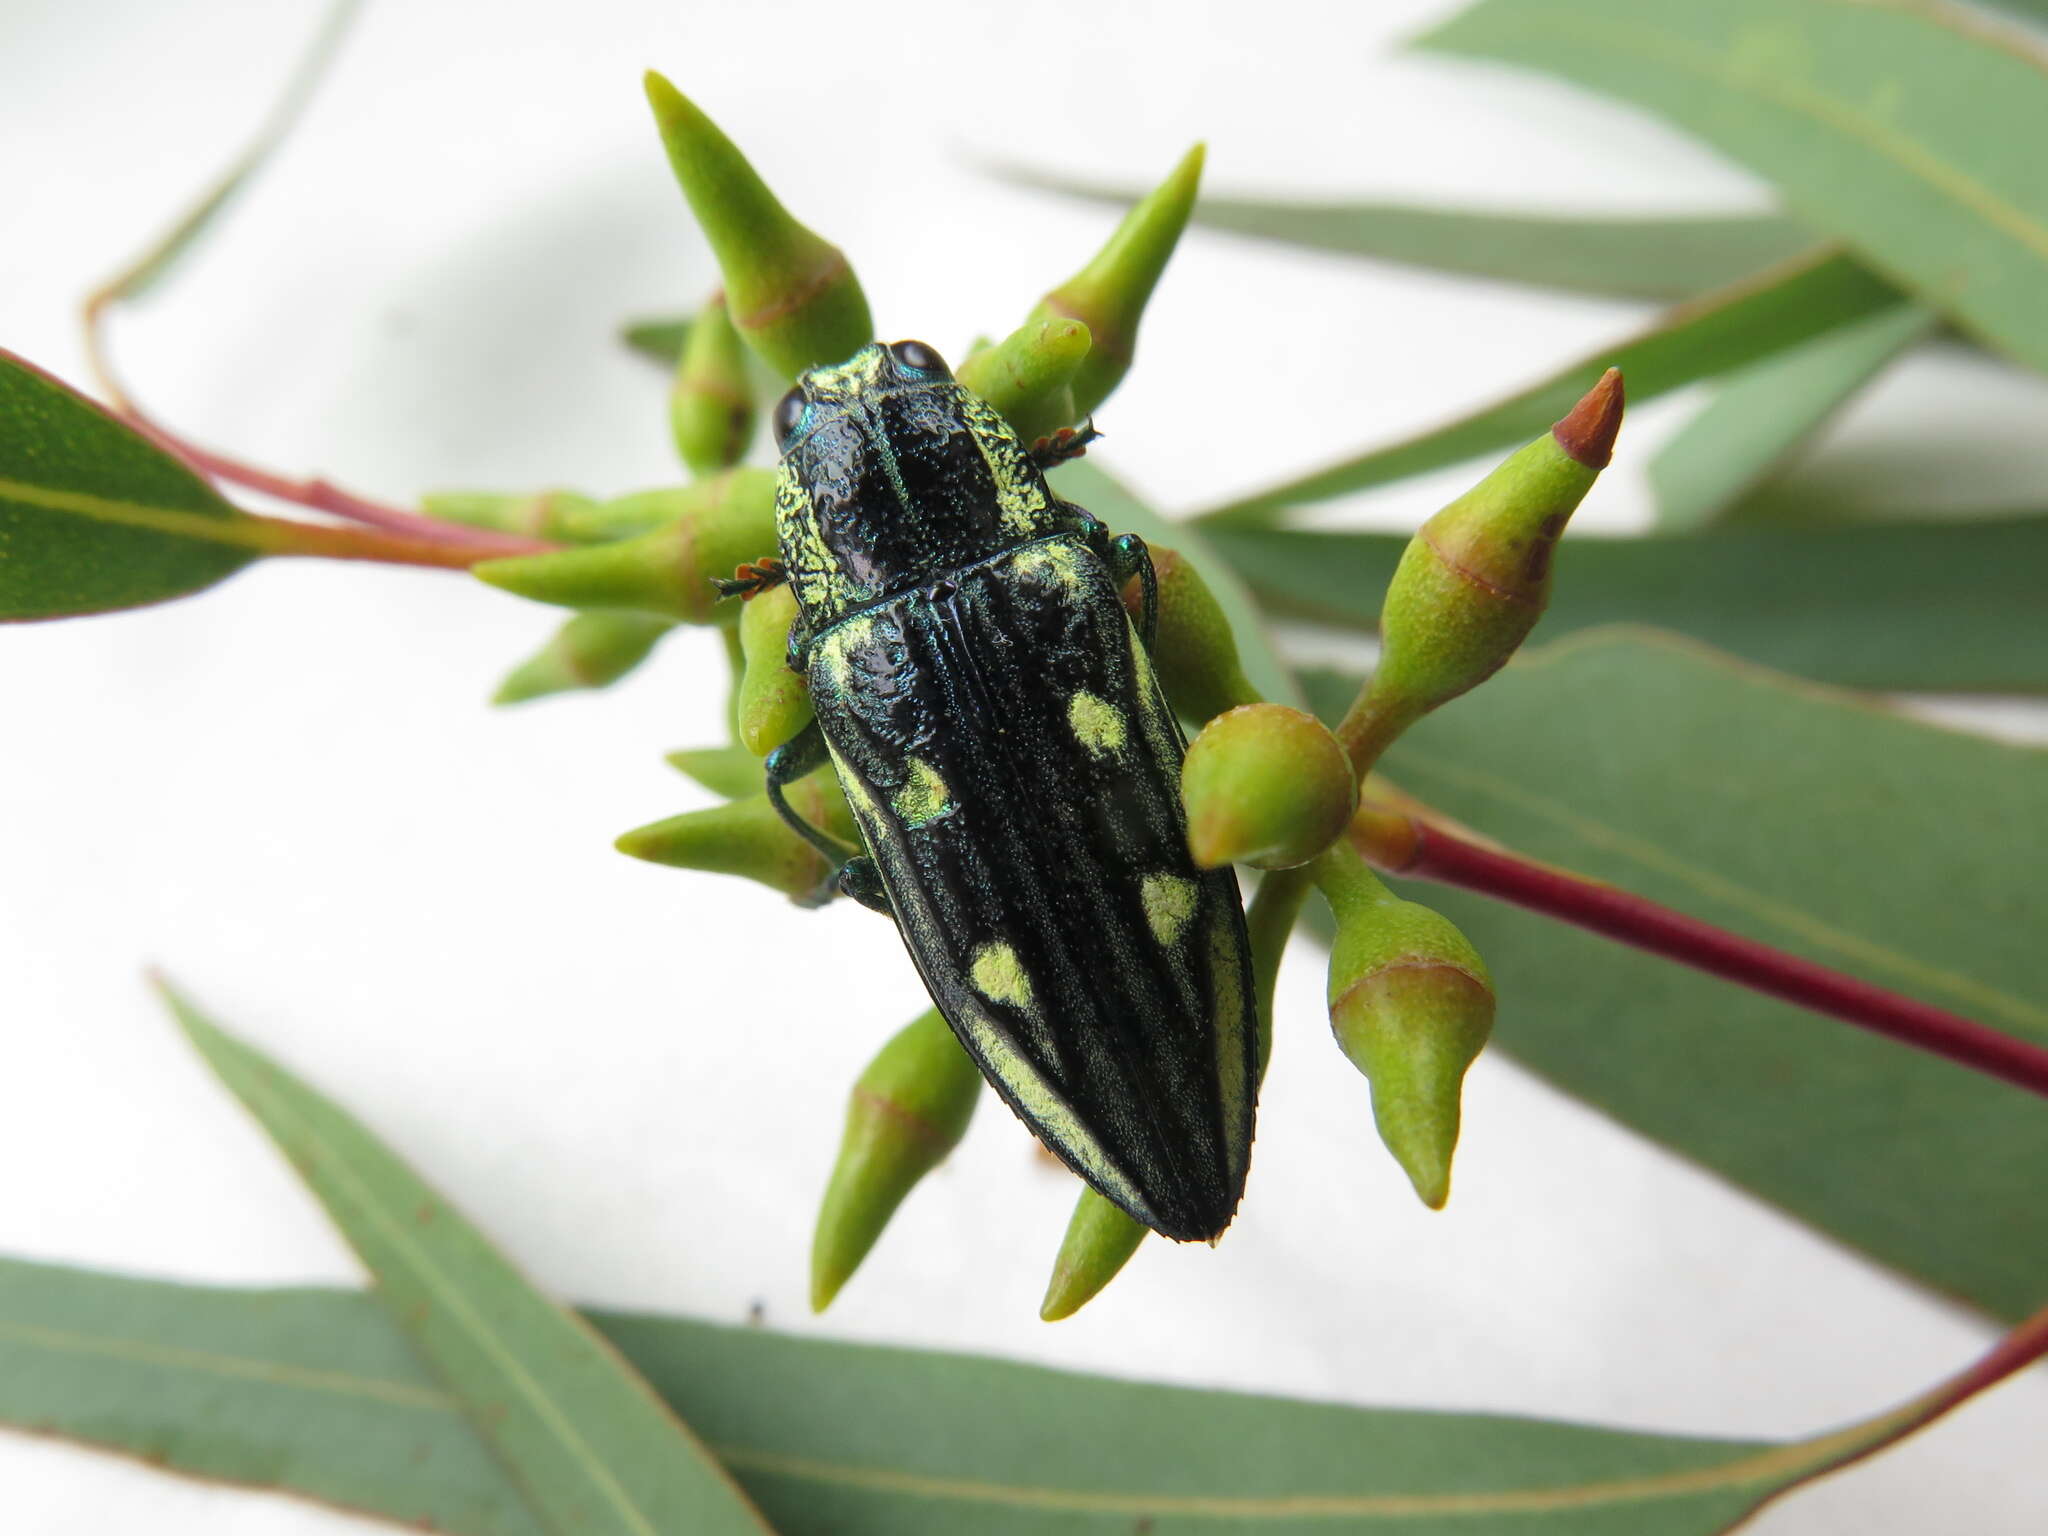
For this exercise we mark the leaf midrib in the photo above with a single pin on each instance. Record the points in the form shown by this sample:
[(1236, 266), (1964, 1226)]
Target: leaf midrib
[(1762, 1469)]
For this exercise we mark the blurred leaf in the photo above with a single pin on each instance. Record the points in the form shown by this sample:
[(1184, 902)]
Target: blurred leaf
[(658, 338), (1902, 853), (1931, 606), (591, 1446), (311, 1391), (1724, 330), (1908, 131), (1761, 415), (1086, 484), (144, 272), (1636, 258), (93, 515)]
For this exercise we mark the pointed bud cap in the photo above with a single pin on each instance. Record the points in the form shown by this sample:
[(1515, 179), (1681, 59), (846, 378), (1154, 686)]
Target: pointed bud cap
[(636, 512), (592, 650), (746, 837), (774, 703), (1100, 1240), (1029, 375), (1265, 785), (729, 772), (667, 571), (908, 1111), (1476, 577), (790, 293), (1195, 653), (711, 403), (1110, 293), (1411, 1005)]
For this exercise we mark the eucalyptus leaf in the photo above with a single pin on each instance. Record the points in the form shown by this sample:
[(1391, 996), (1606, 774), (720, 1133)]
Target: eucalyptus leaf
[(1761, 416), (1946, 607), (591, 1447), (1625, 258), (1898, 852), (1911, 132), (313, 1391), (1724, 330), (93, 515)]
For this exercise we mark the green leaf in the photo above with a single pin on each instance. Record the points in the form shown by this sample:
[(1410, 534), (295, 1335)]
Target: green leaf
[(93, 515), (1931, 606), (1727, 329), (1085, 483), (310, 1391), (1885, 848), (1765, 412), (658, 338), (593, 1449), (1909, 131), (1634, 258)]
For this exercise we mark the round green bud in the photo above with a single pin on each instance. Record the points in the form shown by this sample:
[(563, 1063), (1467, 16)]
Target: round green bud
[(1265, 785), (1029, 375), (1195, 652)]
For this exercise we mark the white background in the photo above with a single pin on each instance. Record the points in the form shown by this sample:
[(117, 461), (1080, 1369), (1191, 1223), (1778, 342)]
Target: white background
[(290, 794)]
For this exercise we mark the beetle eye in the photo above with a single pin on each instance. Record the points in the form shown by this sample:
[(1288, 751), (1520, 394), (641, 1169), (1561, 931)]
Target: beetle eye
[(915, 354), (789, 411)]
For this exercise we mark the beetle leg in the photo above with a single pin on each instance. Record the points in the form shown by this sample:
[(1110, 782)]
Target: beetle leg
[(854, 876), (803, 753), (752, 578), (859, 878), (1127, 556), (1067, 443)]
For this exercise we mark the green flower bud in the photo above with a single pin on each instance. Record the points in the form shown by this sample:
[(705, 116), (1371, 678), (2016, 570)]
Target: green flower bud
[(790, 293), (711, 404), (774, 704), (667, 571), (532, 514), (1476, 577), (1411, 1004), (1265, 785), (1100, 1240), (730, 772), (1029, 376), (746, 837), (592, 650), (1195, 654), (1109, 294), (907, 1113)]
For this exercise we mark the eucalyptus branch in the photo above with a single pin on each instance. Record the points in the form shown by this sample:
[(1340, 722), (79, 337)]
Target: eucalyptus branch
[(1418, 846)]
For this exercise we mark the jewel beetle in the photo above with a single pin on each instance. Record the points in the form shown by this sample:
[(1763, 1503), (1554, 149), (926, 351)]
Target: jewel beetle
[(1014, 770)]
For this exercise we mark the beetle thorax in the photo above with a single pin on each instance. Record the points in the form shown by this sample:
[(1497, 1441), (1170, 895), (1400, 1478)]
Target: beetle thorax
[(893, 480)]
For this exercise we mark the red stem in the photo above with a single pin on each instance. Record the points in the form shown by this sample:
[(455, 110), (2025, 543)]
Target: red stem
[(1424, 850), (315, 494)]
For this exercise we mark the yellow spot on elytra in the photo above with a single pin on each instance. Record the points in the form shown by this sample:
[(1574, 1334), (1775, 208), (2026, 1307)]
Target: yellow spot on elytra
[(1098, 725), (1169, 903), (999, 977), (924, 796)]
